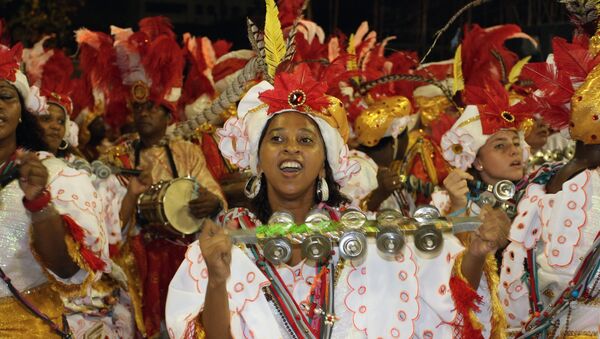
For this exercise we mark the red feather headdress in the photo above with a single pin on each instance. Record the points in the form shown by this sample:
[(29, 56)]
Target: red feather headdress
[(494, 107)]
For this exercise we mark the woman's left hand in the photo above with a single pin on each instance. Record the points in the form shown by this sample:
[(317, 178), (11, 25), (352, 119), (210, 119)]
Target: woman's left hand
[(492, 234), (33, 175)]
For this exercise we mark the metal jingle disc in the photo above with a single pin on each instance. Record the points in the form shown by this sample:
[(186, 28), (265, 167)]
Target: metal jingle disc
[(426, 212), (389, 217), (487, 198), (353, 219), (353, 245), (428, 239), (316, 247), (281, 217), (277, 250), (101, 170), (390, 241), (504, 190), (413, 183), (315, 217), (509, 208)]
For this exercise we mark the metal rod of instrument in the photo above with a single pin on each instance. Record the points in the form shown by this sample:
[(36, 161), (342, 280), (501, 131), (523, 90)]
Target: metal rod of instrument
[(450, 225)]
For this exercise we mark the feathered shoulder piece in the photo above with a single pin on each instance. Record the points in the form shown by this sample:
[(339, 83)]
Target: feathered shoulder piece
[(9, 61)]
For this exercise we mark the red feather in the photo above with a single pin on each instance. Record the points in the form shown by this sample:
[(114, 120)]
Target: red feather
[(555, 114), (81, 95), (57, 73), (573, 59), (305, 51), (156, 26), (478, 62), (221, 47), (9, 61), (439, 71), (98, 59), (551, 83), (164, 64), (289, 10), (440, 126)]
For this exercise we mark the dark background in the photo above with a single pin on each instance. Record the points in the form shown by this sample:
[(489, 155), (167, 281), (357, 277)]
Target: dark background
[(413, 22)]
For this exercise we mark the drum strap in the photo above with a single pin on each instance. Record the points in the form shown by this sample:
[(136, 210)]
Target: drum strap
[(138, 148)]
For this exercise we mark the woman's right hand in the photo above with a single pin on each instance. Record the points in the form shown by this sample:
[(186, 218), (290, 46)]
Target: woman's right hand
[(456, 185), (33, 175), (215, 245), (140, 184)]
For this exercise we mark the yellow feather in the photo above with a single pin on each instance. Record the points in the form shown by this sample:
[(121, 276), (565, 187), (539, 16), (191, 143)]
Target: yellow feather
[(459, 82), (352, 65), (274, 41), (514, 73)]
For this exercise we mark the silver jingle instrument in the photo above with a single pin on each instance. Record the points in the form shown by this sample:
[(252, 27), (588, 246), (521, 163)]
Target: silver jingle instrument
[(425, 213), (429, 239), (100, 169), (390, 230), (315, 217), (353, 245), (390, 241), (353, 219), (281, 217), (504, 190), (316, 247), (487, 198), (277, 250)]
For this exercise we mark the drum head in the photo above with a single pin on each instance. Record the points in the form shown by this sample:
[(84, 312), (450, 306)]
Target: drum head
[(175, 204)]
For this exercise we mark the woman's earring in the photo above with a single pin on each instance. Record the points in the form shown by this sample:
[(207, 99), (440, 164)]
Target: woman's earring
[(253, 186), (20, 120), (322, 190), (63, 145)]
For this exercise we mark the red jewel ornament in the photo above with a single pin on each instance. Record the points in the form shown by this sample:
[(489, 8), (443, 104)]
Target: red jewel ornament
[(297, 98), (296, 90)]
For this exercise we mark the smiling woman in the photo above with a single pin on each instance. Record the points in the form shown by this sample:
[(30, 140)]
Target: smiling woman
[(292, 137), (293, 151)]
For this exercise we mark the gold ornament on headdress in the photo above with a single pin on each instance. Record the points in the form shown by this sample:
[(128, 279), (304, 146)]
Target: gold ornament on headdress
[(585, 110), (374, 121), (140, 92), (432, 107)]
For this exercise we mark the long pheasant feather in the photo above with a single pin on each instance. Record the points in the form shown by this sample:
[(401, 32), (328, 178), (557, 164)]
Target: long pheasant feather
[(274, 41)]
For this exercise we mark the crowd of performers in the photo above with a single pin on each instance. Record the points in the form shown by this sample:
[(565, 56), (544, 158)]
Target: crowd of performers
[(123, 178)]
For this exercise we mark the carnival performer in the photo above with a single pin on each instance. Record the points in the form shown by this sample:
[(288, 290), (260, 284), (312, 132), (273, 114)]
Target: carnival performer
[(292, 136), (550, 277), (107, 309), (53, 234), (152, 95)]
